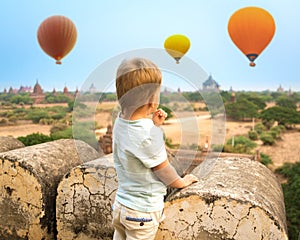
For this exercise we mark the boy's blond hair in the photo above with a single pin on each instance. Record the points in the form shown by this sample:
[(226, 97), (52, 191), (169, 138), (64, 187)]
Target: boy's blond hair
[(137, 81)]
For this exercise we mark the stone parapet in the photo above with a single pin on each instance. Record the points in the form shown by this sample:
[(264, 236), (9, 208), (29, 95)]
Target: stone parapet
[(9, 143), (28, 183), (236, 198), (84, 202)]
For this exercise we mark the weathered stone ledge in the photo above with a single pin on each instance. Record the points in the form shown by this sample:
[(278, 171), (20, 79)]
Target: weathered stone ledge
[(28, 182), (9, 143), (63, 190), (236, 198)]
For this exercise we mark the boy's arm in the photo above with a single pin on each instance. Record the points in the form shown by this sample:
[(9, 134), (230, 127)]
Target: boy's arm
[(168, 175)]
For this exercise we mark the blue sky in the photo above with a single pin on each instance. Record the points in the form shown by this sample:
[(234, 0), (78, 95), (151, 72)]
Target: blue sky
[(108, 28)]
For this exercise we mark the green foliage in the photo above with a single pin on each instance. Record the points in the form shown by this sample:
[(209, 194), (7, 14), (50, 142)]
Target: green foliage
[(192, 96), (253, 135), (277, 95), (169, 143), (13, 119), (85, 131), (287, 102), (241, 110), (92, 97), (58, 115), (276, 131), (214, 103), (267, 138), (34, 138), (164, 99), (57, 132), (21, 98), (58, 127), (254, 98), (35, 115), (265, 159), (284, 116), (268, 123), (259, 128), (66, 133), (80, 110), (241, 145), (226, 96), (70, 106), (57, 98), (291, 191), (217, 147), (110, 97), (3, 122)]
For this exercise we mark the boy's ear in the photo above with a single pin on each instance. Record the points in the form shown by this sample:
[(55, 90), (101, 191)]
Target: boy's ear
[(151, 100), (152, 105)]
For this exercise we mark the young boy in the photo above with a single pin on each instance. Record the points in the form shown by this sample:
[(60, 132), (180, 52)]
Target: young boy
[(139, 152)]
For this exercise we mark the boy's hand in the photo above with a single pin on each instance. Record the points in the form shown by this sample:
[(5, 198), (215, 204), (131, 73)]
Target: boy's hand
[(159, 117), (189, 179)]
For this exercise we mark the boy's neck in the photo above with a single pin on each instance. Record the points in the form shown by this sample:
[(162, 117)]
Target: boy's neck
[(140, 113)]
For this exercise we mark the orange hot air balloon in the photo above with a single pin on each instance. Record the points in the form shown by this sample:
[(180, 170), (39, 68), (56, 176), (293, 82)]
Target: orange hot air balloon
[(177, 45), (251, 29), (57, 36)]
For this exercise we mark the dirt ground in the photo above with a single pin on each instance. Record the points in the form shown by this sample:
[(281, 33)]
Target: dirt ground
[(285, 150), (23, 130)]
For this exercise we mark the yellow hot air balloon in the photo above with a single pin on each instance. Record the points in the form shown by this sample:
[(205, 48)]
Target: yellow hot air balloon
[(251, 29), (177, 45)]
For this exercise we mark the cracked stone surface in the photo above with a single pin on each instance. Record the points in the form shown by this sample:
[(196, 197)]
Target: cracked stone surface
[(236, 198), (28, 181), (9, 143), (84, 201)]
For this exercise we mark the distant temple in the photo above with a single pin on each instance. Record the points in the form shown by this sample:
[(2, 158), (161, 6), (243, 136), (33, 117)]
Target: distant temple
[(210, 85), (280, 89), (38, 96), (92, 88), (25, 89), (37, 93)]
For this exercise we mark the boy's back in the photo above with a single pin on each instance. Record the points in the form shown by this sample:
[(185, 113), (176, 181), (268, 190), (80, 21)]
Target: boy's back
[(137, 147)]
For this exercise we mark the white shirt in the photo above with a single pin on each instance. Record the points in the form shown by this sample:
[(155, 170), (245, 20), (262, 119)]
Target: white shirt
[(138, 146)]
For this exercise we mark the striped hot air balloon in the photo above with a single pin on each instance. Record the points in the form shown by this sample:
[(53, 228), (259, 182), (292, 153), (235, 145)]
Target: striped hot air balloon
[(57, 36)]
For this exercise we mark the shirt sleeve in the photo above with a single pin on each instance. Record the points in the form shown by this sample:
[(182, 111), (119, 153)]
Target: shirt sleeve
[(152, 150)]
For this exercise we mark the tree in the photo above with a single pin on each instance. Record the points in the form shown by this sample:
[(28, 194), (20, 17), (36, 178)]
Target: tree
[(193, 96), (291, 192), (255, 99), (283, 115), (241, 110), (21, 98), (226, 96), (287, 102)]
